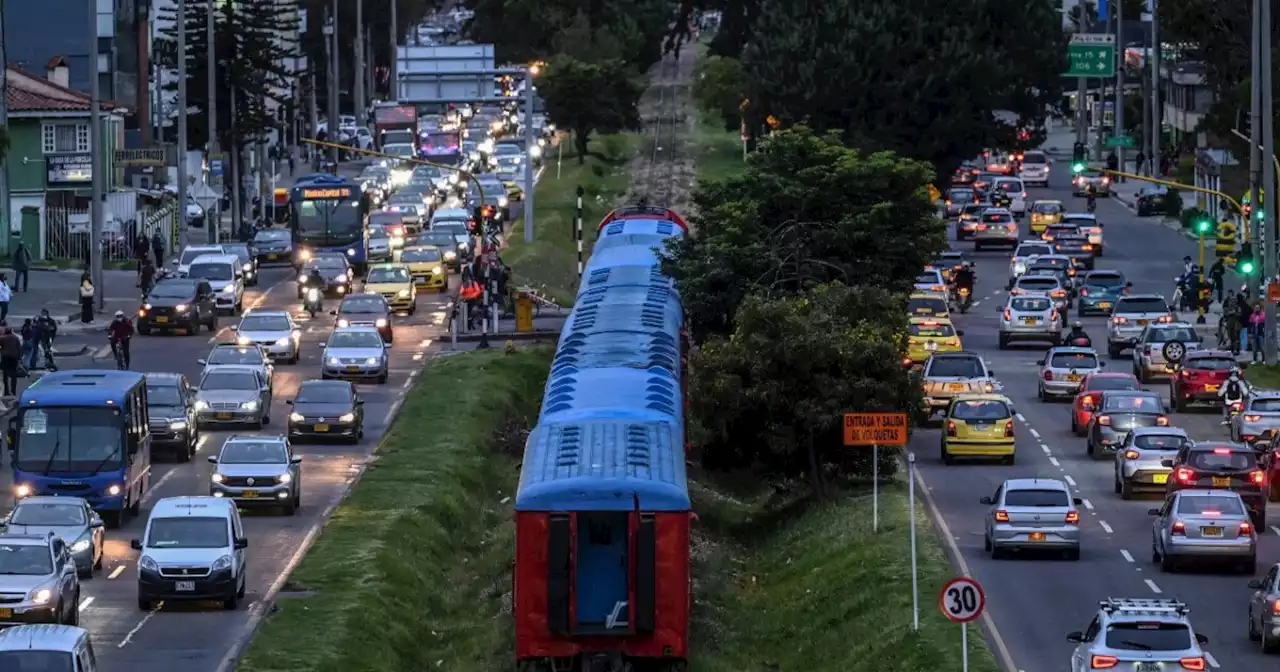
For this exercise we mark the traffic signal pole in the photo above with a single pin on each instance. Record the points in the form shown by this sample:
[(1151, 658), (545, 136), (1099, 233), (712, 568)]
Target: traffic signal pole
[(1268, 250)]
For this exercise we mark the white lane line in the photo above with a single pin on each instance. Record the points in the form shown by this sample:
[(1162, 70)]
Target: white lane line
[(1035, 433), (155, 485), (102, 352), (417, 357), (1045, 449), (1275, 529), (1054, 462), (1070, 481), (115, 573), (1213, 662), (1152, 585), (128, 637), (391, 413), (84, 604), (1088, 505), (1021, 419), (1105, 526), (1127, 557)]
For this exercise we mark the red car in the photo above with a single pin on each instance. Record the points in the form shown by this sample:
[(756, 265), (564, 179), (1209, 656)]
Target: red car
[(1087, 398), (1201, 378)]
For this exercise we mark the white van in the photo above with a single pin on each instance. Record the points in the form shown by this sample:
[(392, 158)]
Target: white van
[(58, 648), (193, 549), (189, 254), (225, 274), (1035, 168), (1017, 194)]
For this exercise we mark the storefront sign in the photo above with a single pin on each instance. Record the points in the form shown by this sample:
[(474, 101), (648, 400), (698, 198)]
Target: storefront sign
[(69, 170)]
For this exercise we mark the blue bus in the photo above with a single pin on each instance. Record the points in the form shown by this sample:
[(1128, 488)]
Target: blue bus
[(442, 147), (84, 434), (328, 214)]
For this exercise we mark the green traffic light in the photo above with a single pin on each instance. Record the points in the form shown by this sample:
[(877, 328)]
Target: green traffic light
[(1246, 267), (1077, 168), (1203, 226)]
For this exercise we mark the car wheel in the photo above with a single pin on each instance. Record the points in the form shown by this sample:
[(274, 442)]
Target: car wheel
[(84, 574), (213, 322), (986, 543), (1126, 490), (1166, 564), (144, 331), (231, 602), (290, 507)]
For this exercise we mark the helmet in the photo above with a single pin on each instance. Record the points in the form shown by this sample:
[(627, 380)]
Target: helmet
[(968, 264), (119, 313), (1076, 325)]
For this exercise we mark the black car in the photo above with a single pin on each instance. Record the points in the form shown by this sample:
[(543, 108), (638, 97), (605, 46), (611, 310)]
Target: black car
[(248, 259), (1221, 465), (336, 272), (171, 408), (1077, 248), (1118, 412), (1151, 200), (327, 409), (444, 240), (179, 304), (273, 246), (365, 310)]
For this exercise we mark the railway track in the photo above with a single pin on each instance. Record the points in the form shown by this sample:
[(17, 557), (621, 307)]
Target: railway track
[(657, 180)]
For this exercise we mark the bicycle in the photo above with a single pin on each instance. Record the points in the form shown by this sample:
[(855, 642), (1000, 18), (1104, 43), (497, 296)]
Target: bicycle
[(118, 352)]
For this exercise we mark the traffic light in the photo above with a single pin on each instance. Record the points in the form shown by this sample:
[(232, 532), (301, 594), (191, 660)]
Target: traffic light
[(1077, 158), (1203, 226), (1245, 263)]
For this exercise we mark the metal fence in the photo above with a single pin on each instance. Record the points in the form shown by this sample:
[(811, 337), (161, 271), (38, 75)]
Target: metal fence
[(66, 233)]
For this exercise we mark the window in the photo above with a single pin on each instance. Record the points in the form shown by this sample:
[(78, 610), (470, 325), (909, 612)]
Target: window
[(68, 138)]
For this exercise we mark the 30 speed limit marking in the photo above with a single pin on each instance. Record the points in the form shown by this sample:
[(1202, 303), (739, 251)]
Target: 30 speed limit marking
[(962, 600)]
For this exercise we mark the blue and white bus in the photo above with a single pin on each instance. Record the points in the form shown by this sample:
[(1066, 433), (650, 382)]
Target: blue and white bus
[(440, 146), (84, 434), (328, 214)]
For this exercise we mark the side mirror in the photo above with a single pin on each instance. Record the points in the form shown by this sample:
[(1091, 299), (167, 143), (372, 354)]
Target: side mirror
[(1168, 464), (96, 522), (242, 543), (213, 459), (1255, 584), (1102, 365), (234, 327), (959, 332), (288, 402), (1076, 636), (1153, 512), (359, 402), (1078, 501), (986, 500), (135, 544), (1201, 639), (296, 459), (202, 362)]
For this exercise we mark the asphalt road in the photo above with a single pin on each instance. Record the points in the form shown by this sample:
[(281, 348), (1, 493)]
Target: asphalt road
[(196, 638), (1034, 603)]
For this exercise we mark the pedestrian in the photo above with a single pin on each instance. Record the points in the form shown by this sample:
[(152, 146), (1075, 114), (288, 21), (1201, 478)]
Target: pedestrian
[(1246, 319), (1140, 163), (46, 328), (10, 351), (87, 291), (21, 266), (141, 252), (29, 341), (1217, 274), (1231, 323), (1257, 330), (157, 246), (6, 295), (148, 277)]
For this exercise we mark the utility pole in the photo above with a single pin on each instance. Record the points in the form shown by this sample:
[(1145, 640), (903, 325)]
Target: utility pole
[(312, 150), (215, 222), (529, 142), (357, 71), (1157, 111), (1268, 194), (6, 205), (393, 87), (1082, 87), (182, 124), (1255, 145), (95, 153), (331, 30), (1119, 129)]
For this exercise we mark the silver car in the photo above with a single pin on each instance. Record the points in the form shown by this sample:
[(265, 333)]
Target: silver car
[(1264, 610), (1091, 177), (1119, 412), (1032, 514), (233, 395), (1023, 256), (39, 582), (355, 353), (931, 280), (1139, 635), (1030, 317), (274, 331), (259, 470), (996, 227), (243, 355), (1041, 285), (380, 249), (1089, 226), (1139, 465), (70, 519), (1211, 525), (1130, 315), (1063, 369), (1149, 360), (946, 375), (1261, 411)]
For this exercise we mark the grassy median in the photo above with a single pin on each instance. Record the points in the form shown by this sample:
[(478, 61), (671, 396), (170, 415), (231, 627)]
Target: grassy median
[(813, 588), (413, 570), (1266, 376), (550, 263)]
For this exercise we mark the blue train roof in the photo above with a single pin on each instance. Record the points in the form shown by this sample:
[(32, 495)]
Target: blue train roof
[(625, 275), (626, 308), (604, 466), (641, 256), (90, 387), (602, 350), (658, 227), (653, 240), (613, 393)]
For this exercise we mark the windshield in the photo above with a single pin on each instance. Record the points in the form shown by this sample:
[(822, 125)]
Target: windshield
[(398, 149), (163, 395), (51, 514), (956, 367), (188, 532), (264, 323), (1112, 383), (1034, 159), (173, 290), (50, 441), (930, 278), (1078, 221), (378, 275), (420, 254), (190, 255), (240, 250), (355, 339), (1038, 283), (329, 221), (407, 198), (441, 143), (385, 219), (1036, 498), (229, 380), (212, 271), (985, 410), (932, 330), (25, 559), (1211, 505), (249, 356), (927, 306), (974, 210), (252, 452), (1132, 403), (1150, 305), (1033, 250), (323, 394), (363, 304), (1148, 636), (1030, 305), (437, 238), (1073, 360), (31, 660), (1009, 185), (1071, 241), (327, 266), (1210, 364), (1104, 280), (1227, 460), (1265, 405), (1047, 208), (271, 235), (1180, 334), (961, 194), (1159, 442)]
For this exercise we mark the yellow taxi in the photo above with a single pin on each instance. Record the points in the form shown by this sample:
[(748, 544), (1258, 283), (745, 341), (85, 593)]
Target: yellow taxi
[(426, 266), (395, 284), (1044, 213), (978, 425), (928, 335), (930, 305), (514, 192)]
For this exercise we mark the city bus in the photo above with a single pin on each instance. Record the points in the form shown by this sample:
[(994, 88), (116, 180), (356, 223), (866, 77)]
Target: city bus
[(441, 146), (327, 214), (85, 434)]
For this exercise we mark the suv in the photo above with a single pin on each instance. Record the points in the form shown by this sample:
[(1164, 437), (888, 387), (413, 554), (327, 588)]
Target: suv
[(1264, 623), (1221, 465), (225, 273), (171, 407), (946, 375), (1259, 412), (1156, 353), (1024, 255), (248, 261), (41, 584), (1138, 634), (1048, 286), (1130, 316), (996, 227), (1200, 378), (1140, 459), (261, 470), (1017, 195), (1030, 317), (1089, 225), (1091, 177), (47, 647), (1035, 168), (179, 303)]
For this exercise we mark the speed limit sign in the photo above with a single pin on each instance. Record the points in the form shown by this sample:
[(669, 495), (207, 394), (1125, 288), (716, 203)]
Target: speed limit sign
[(962, 600)]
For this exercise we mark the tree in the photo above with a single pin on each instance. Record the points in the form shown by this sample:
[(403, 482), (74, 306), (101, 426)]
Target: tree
[(901, 75), (719, 89), (590, 98), (377, 18), (806, 211), (528, 30), (1215, 34), (772, 394)]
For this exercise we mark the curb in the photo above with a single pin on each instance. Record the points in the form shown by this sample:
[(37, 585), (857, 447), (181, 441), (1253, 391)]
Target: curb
[(1166, 222), (511, 336)]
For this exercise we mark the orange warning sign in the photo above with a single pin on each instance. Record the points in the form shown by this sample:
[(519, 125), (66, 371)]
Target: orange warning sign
[(871, 429), (1273, 292)]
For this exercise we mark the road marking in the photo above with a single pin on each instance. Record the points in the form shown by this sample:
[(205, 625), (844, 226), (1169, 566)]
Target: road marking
[(417, 357), (1127, 557), (1070, 481), (101, 353), (1107, 527), (1213, 662), (1088, 505), (1054, 462), (1045, 449), (84, 604), (1021, 419), (128, 637), (1035, 433), (407, 382), (1275, 529), (1152, 585), (116, 572), (391, 413)]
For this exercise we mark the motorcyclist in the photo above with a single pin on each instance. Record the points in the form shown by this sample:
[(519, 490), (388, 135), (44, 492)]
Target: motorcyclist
[(1232, 392), (119, 334), (1091, 197), (314, 280), (964, 278), (1077, 333)]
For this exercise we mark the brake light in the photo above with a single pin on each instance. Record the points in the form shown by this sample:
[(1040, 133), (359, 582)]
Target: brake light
[(982, 227), (1257, 476), (930, 323), (1184, 475), (1008, 429), (951, 429), (1131, 454), (1103, 662), (1057, 293), (1253, 418), (1024, 195), (1104, 420), (1087, 248), (1119, 320), (1073, 517), (1221, 451), (1048, 375), (1165, 319), (1179, 528), (1053, 315), (1017, 291), (1008, 316), (1002, 516), (1275, 607), (1162, 421), (1146, 350), (1106, 180), (1192, 663), (1246, 529)]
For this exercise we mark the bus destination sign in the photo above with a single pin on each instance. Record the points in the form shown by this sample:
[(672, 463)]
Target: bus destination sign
[(326, 192)]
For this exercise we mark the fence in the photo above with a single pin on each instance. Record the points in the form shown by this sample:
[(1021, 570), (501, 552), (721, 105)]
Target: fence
[(66, 233)]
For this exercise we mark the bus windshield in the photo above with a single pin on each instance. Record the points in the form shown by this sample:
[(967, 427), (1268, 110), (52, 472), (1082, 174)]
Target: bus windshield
[(50, 441), (329, 221), (433, 144)]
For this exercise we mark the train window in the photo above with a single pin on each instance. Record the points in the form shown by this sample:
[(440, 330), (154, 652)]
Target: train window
[(646, 573), (559, 539)]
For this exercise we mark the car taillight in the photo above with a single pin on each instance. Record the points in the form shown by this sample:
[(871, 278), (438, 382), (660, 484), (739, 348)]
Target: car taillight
[(1053, 316), (982, 227), (1057, 294), (1192, 663), (951, 429), (1184, 475), (1048, 375), (1179, 527), (1008, 429), (1002, 516), (1119, 320), (1024, 195), (1103, 662), (1275, 607), (1186, 373), (1146, 350), (1165, 319), (1257, 476), (1084, 292), (1073, 517), (1008, 316), (1253, 418), (1104, 420), (1131, 454), (1087, 248), (906, 361), (1246, 529), (1162, 421)]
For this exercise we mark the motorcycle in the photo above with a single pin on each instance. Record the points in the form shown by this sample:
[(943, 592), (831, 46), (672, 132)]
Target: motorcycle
[(965, 299), (1233, 409), (1091, 202), (1081, 342), (313, 302)]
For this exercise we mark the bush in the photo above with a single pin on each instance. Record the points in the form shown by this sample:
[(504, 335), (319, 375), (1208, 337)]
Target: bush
[(1190, 215), (1172, 205)]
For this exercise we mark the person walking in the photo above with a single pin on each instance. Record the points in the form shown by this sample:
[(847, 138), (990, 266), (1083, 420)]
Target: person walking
[(1257, 330), (46, 328), (148, 277), (87, 292), (1217, 274), (21, 266), (157, 246), (6, 295), (1140, 163), (10, 351), (29, 340)]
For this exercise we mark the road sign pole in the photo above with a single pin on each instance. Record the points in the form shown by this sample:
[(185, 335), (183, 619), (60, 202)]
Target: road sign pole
[(911, 515), (875, 488), (964, 647)]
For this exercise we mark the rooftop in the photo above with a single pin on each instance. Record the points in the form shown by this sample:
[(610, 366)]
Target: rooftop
[(29, 93)]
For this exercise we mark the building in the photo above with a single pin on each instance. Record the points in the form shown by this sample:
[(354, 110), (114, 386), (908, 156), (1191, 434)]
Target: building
[(1186, 99)]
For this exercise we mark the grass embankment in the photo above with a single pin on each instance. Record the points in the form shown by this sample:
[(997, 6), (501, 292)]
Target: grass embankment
[(412, 572), (813, 588), (1266, 376), (551, 262), (719, 152)]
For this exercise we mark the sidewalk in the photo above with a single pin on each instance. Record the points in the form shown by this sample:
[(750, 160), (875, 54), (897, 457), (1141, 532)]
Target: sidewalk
[(58, 291)]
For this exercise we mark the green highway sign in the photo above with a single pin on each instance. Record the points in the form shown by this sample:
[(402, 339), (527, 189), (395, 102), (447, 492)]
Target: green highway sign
[(1125, 141), (1092, 55)]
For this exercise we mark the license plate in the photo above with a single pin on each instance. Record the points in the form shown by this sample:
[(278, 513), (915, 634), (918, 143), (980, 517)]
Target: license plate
[(6, 613), (1160, 479), (1148, 667), (161, 320), (957, 387), (1211, 531), (930, 345), (1037, 536), (223, 416), (353, 369), (1210, 388), (185, 586), (1143, 323), (273, 257), (249, 494), (1104, 304), (1074, 379), (1221, 482), (1029, 320), (322, 428)]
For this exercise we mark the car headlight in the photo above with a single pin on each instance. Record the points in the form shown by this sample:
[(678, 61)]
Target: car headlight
[(304, 254), (351, 252), (114, 490), (296, 417), (247, 267), (333, 361), (227, 289), (404, 294), (22, 490), (242, 340), (343, 323), (342, 289), (146, 306), (379, 322), (40, 596), (81, 545), (217, 478), (201, 405), (350, 417), (502, 201), (285, 341), (535, 151), (249, 405), (284, 478), (372, 360), (437, 270), (145, 562), (178, 424), (221, 563), (450, 255)]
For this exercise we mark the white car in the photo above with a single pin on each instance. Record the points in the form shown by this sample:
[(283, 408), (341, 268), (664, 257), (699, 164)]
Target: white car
[(182, 262), (1017, 192), (1035, 168), (272, 330), (1023, 256), (931, 281), (225, 274), (252, 356)]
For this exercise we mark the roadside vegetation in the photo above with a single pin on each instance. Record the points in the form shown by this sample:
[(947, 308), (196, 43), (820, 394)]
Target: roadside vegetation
[(1266, 376), (413, 570)]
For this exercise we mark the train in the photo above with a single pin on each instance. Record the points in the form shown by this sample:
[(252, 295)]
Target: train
[(602, 580)]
